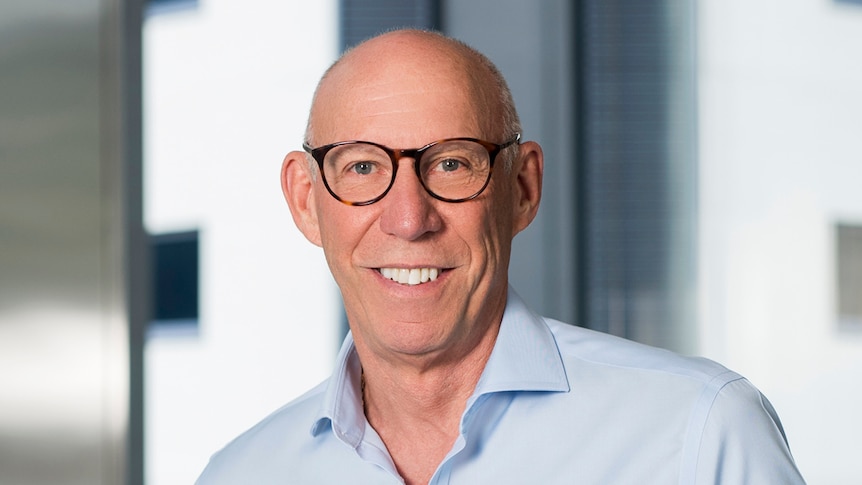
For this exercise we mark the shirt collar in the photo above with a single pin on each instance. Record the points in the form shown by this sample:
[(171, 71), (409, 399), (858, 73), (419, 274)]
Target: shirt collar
[(341, 407), (525, 358), (525, 355)]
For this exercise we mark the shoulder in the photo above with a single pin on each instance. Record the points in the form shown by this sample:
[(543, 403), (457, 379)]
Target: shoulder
[(584, 353), (283, 433), (616, 372), (728, 427), (739, 437), (583, 347)]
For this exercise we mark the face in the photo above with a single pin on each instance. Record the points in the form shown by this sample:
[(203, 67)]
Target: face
[(466, 244)]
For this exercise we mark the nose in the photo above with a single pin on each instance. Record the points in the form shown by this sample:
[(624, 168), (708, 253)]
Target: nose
[(408, 210)]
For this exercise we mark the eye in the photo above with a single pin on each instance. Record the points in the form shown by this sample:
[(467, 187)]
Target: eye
[(450, 165), (362, 168)]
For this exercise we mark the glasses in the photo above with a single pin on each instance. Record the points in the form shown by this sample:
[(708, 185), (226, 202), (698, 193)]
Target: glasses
[(362, 172)]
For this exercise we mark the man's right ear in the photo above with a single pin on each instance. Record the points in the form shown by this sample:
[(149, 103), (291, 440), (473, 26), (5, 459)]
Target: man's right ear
[(297, 184)]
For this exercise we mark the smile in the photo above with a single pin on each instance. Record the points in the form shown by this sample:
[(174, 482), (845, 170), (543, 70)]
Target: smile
[(413, 276)]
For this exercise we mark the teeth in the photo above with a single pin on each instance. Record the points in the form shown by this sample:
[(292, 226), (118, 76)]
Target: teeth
[(413, 276)]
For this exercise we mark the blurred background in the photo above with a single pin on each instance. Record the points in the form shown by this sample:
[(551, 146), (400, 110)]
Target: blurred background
[(703, 193)]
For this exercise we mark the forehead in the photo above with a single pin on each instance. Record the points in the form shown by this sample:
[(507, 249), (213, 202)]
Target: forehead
[(400, 95)]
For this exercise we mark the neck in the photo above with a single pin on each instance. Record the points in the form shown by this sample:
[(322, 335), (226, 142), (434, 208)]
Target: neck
[(418, 385), (416, 409), (417, 416), (440, 391)]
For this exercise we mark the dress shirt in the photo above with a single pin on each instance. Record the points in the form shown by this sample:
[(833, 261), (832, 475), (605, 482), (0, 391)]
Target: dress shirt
[(555, 404)]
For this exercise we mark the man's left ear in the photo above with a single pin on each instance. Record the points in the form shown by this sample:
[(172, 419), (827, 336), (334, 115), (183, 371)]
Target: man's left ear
[(528, 168)]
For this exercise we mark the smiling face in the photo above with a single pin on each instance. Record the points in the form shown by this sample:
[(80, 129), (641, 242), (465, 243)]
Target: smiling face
[(405, 91)]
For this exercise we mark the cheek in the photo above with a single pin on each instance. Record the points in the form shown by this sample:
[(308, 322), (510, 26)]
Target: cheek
[(335, 237), (501, 215), (333, 223), (337, 247), (499, 231), (342, 229), (490, 231)]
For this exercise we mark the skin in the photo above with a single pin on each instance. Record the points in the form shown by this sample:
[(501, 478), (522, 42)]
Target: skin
[(423, 347)]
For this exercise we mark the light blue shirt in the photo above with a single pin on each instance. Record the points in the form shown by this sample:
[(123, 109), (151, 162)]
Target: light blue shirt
[(555, 404)]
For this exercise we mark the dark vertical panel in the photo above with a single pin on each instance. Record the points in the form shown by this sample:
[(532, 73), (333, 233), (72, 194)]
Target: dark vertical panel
[(531, 43), (629, 227), (361, 19), (125, 271), (135, 246)]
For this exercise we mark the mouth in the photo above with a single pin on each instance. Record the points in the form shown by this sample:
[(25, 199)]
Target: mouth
[(410, 276)]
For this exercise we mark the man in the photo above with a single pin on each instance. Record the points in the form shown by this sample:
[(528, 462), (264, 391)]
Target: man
[(446, 376)]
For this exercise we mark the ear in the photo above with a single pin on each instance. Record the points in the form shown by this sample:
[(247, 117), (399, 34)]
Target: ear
[(297, 183), (528, 168)]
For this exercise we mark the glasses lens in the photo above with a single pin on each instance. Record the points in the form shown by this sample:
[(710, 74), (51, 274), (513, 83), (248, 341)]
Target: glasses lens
[(357, 172), (456, 169)]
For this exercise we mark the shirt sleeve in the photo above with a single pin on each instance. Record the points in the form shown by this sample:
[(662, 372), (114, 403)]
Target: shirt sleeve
[(742, 441)]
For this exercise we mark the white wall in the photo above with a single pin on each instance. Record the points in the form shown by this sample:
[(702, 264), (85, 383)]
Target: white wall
[(781, 161), (227, 90)]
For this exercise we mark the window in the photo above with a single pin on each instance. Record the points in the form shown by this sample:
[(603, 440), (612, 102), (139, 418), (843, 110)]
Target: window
[(155, 7), (175, 281), (848, 270)]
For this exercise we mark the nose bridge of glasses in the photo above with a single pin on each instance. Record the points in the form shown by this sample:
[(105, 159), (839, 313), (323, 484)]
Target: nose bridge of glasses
[(397, 154), (414, 154)]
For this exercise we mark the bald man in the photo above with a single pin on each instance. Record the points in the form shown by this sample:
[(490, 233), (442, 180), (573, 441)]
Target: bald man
[(414, 180)]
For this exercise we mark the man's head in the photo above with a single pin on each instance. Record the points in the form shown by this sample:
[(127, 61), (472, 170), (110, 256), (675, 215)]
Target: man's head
[(433, 52), (404, 90)]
